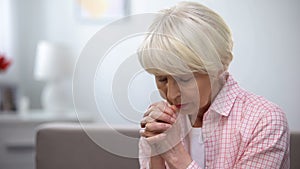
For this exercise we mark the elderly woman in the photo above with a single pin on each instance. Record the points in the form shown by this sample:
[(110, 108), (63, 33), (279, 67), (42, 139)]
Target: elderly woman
[(206, 120)]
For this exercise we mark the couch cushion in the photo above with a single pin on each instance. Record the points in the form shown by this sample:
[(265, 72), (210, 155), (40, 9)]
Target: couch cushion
[(68, 146)]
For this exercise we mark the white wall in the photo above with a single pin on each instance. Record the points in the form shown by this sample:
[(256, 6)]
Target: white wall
[(8, 41), (265, 33)]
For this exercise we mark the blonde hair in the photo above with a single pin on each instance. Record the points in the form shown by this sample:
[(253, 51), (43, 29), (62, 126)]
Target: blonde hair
[(188, 37)]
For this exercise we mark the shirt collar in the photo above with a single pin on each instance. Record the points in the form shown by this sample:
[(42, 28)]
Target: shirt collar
[(226, 97)]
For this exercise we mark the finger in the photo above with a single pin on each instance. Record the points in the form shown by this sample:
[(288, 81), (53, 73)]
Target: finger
[(174, 108), (157, 127), (166, 108), (163, 117), (147, 134), (156, 138), (146, 120), (163, 107), (151, 108), (148, 112)]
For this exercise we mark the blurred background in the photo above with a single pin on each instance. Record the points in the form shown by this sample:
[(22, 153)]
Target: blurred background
[(266, 50)]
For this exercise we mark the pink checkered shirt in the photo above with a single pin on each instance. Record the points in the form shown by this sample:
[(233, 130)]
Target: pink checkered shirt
[(240, 130)]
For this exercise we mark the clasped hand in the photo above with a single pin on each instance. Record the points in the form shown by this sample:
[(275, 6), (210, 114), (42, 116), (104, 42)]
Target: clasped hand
[(160, 128)]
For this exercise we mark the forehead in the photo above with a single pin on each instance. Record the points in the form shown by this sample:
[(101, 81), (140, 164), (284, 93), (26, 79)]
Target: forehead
[(194, 74)]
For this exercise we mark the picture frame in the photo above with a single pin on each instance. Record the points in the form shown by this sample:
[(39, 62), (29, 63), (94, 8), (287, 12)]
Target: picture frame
[(101, 11), (8, 99)]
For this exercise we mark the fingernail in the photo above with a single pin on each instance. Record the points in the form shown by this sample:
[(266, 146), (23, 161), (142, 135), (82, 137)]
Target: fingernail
[(173, 119), (174, 108), (168, 125), (142, 131)]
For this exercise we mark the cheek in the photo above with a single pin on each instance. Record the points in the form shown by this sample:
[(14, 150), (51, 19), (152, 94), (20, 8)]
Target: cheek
[(197, 93), (190, 94), (204, 92), (163, 94), (203, 99)]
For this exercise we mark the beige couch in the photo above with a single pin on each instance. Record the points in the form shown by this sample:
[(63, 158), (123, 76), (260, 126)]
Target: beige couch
[(295, 150), (67, 146)]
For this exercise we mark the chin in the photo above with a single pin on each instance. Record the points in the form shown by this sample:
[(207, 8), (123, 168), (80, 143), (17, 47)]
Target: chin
[(188, 110), (184, 112)]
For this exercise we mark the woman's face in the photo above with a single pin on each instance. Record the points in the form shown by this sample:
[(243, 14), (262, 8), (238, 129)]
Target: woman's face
[(189, 93)]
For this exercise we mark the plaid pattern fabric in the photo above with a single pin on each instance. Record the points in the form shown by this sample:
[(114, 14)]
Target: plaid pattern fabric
[(240, 130)]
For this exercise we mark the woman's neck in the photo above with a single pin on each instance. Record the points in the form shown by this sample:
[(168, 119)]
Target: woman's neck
[(197, 121)]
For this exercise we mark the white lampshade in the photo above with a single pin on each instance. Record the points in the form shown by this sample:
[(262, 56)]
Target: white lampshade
[(53, 62)]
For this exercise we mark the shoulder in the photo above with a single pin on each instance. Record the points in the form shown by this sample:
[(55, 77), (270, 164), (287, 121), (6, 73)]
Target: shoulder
[(255, 105), (259, 114)]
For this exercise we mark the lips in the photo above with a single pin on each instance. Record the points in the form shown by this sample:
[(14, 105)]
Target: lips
[(180, 106)]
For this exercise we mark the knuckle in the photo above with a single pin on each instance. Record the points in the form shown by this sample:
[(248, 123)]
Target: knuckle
[(155, 114), (148, 126), (145, 134)]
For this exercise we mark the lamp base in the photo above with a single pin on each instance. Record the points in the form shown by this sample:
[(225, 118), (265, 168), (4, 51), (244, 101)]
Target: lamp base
[(57, 97)]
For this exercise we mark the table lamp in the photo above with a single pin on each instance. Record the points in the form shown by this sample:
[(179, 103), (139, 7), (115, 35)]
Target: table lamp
[(54, 64)]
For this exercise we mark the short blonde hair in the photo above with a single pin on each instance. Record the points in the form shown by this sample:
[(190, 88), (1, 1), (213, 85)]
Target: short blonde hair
[(188, 37)]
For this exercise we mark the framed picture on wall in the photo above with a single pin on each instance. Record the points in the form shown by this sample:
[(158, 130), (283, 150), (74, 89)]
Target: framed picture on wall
[(99, 11), (8, 99)]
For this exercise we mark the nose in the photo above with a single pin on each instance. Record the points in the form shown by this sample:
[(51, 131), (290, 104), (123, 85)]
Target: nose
[(173, 91)]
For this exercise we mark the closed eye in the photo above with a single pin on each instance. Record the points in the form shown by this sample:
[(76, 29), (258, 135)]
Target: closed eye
[(161, 78), (185, 79)]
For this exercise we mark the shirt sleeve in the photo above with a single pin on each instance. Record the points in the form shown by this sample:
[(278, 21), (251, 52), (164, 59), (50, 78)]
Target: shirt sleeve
[(144, 153), (269, 144), (193, 165)]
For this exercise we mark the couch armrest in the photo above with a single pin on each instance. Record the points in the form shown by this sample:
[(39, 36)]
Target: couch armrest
[(295, 149)]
